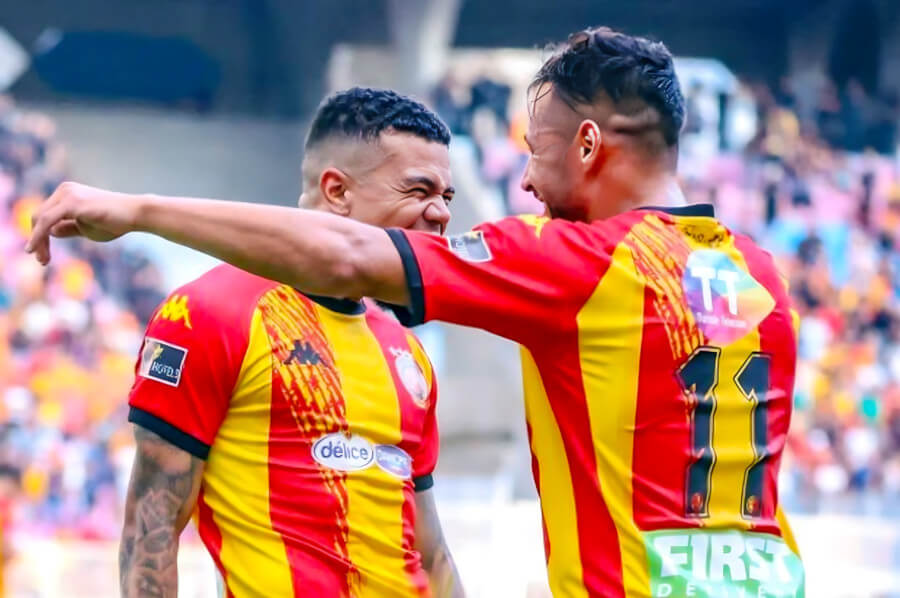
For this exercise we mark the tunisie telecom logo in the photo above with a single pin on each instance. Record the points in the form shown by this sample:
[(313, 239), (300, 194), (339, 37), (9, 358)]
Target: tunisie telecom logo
[(726, 301)]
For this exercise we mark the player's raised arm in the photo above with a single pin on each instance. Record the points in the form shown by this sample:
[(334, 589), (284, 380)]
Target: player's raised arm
[(164, 485), (313, 251)]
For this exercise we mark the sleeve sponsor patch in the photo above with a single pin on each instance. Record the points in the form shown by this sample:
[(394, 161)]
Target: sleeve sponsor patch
[(470, 246), (162, 361)]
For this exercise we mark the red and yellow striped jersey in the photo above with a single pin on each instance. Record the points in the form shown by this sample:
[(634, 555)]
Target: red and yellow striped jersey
[(316, 419), (658, 354)]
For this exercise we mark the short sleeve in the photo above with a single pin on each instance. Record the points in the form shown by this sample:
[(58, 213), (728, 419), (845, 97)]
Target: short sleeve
[(516, 278), (188, 365)]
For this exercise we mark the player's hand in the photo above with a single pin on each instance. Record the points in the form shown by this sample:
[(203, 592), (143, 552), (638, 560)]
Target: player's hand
[(76, 210)]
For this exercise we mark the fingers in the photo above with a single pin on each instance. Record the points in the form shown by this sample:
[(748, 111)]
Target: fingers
[(51, 212), (65, 229)]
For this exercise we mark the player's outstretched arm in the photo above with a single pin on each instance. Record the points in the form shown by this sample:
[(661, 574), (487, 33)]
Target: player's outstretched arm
[(442, 574), (313, 251), (165, 481)]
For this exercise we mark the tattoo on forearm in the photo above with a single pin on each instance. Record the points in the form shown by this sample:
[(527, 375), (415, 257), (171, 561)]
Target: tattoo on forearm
[(161, 484)]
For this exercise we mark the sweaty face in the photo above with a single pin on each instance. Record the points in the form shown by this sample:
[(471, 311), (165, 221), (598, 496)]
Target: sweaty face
[(408, 187), (553, 173)]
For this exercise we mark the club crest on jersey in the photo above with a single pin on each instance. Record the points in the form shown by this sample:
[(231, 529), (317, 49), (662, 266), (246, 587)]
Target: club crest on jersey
[(162, 361), (727, 302), (411, 376), (470, 246)]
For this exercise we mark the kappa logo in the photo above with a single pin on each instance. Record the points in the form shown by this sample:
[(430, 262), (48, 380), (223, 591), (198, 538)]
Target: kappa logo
[(175, 309), (303, 353), (536, 222)]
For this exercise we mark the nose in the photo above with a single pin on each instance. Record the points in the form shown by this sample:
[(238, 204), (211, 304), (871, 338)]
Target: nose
[(526, 179), (437, 213)]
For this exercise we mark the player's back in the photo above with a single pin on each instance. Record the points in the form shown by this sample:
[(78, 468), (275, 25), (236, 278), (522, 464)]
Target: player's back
[(676, 418), (658, 358), (316, 420)]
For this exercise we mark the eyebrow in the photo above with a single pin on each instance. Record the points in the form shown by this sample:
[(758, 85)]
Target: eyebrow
[(426, 182), (527, 141)]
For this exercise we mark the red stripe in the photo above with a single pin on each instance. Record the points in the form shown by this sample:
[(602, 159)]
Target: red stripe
[(777, 339), (212, 537), (536, 472), (601, 562), (559, 364), (412, 422), (661, 433), (303, 510), (307, 502)]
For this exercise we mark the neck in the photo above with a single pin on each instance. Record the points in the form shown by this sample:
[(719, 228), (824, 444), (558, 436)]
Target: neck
[(635, 189)]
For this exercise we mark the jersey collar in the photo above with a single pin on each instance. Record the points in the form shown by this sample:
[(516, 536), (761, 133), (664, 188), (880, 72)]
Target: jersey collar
[(341, 306), (697, 209)]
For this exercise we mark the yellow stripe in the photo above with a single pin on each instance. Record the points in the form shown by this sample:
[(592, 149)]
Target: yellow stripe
[(420, 356), (375, 498), (564, 565), (787, 532), (795, 321), (732, 431), (236, 481), (609, 363)]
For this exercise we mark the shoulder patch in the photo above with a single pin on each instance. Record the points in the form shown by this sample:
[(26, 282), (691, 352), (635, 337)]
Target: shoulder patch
[(162, 361), (470, 246)]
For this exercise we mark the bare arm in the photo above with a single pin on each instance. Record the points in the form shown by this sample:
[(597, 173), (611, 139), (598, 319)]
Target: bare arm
[(314, 251), (442, 574), (164, 485)]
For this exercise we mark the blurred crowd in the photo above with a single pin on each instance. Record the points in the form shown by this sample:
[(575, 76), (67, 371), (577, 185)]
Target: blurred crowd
[(69, 336), (820, 189)]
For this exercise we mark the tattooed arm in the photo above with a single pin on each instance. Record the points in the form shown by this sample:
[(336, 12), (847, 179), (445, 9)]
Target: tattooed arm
[(436, 560), (164, 485)]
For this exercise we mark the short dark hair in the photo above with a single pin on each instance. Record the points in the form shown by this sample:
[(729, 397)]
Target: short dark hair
[(364, 113), (624, 67)]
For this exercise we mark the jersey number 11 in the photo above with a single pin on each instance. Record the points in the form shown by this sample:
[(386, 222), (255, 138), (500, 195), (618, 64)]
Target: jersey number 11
[(699, 377)]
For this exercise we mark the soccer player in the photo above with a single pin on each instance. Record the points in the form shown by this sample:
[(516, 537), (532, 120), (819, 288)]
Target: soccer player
[(658, 347), (302, 428)]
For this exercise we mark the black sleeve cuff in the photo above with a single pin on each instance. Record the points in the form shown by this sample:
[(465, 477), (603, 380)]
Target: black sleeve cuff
[(422, 483), (415, 315), (168, 432)]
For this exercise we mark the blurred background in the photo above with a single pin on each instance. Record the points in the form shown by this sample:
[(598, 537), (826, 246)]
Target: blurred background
[(793, 111)]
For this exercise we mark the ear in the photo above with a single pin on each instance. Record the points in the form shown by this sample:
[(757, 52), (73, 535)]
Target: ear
[(333, 185), (589, 141)]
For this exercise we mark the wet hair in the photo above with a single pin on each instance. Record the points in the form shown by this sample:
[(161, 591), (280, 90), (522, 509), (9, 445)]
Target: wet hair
[(364, 113), (633, 72)]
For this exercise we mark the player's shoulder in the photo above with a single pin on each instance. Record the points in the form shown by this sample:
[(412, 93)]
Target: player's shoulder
[(761, 263), (755, 256), (531, 228), (219, 299)]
